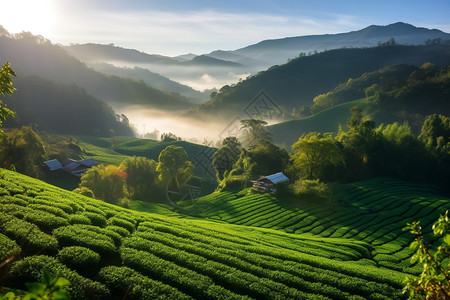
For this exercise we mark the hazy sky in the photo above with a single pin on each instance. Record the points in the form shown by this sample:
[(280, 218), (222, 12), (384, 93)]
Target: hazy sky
[(172, 27)]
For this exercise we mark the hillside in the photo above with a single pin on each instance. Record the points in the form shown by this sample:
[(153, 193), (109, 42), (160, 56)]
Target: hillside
[(296, 83), (35, 56), (63, 109), (149, 255), (328, 120)]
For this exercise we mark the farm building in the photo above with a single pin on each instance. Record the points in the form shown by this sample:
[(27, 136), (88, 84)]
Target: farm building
[(71, 166), (266, 184)]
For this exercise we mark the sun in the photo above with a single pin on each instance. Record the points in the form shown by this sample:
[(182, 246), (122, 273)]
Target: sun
[(36, 16)]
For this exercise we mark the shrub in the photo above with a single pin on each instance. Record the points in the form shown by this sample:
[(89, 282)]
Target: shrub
[(79, 258), (81, 235), (8, 248), (33, 239), (120, 279), (30, 269), (120, 230), (84, 191), (312, 190), (13, 200), (122, 223), (96, 219), (50, 209), (79, 219)]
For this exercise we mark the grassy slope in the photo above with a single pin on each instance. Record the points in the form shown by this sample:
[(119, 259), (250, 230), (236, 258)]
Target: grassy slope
[(328, 120), (173, 257), (372, 211)]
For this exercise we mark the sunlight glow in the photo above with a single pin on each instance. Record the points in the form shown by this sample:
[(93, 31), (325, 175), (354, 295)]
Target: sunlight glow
[(38, 17)]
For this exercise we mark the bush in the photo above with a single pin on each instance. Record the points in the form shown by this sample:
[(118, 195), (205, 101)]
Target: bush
[(96, 219), (30, 269), (117, 229), (50, 209), (79, 219), (8, 248), (79, 258), (122, 223), (311, 190), (84, 191), (30, 236), (83, 235)]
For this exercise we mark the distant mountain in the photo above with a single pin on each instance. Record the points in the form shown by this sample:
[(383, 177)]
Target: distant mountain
[(154, 80), (35, 56), (296, 83), (110, 53), (277, 51)]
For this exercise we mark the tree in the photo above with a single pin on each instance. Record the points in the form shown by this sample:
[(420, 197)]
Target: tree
[(140, 176), (23, 150), (106, 182), (254, 131), (434, 282), (226, 156), (6, 88), (435, 132), (173, 163), (315, 153)]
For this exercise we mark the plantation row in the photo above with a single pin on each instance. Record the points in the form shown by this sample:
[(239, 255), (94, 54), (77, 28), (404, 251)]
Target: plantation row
[(374, 211), (108, 252)]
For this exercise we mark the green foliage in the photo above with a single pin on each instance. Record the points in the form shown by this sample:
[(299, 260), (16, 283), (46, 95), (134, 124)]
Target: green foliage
[(6, 88), (173, 163), (79, 219), (316, 156), (51, 288), (434, 281), (22, 149), (84, 191), (435, 132), (226, 156), (8, 248), (30, 269), (106, 182), (254, 131), (79, 258), (140, 176), (312, 190), (122, 223), (85, 236)]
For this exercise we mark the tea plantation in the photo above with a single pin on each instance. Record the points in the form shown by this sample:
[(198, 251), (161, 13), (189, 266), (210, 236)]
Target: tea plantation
[(236, 246)]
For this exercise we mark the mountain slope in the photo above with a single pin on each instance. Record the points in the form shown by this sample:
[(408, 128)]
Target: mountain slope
[(36, 56), (279, 50), (296, 83)]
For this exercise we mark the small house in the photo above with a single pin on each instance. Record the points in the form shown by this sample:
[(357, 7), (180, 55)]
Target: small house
[(267, 184), (71, 166)]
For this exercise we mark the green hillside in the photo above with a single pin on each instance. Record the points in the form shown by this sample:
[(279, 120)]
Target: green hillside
[(149, 256), (328, 120), (372, 212)]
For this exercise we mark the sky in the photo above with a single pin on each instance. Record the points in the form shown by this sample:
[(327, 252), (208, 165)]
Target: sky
[(175, 27)]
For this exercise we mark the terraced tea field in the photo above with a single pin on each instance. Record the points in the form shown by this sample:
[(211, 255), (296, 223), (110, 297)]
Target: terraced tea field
[(372, 211), (110, 252)]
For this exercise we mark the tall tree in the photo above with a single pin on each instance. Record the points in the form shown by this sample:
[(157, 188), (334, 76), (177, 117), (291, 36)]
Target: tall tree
[(6, 88), (173, 163), (107, 182), (141, 176), (314, 154), (253, 131), (226, 156)]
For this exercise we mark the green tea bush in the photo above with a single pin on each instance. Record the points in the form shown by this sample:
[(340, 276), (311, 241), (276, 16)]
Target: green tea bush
[(8, 248), (33, 239), (79, 219), (4, 192), (93, 209), (80, 235), (13, 200), (50, 209), (120, 230), (122, 223), (96, 219), (78, 258), (120, 279), (30, 269), (45, 220), (61, 205)]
